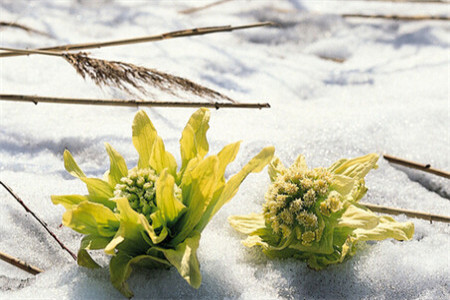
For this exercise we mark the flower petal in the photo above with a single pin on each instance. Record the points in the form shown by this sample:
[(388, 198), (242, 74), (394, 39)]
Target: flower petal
[(118, 167), (144, 135), (356, 168)]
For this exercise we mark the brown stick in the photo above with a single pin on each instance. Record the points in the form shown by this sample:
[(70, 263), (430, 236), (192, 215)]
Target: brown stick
[(409, 213), (133, 103), (415, 1), (20, 264), (335, 59), (397, 17), (199, 8), (411, 164), (37, 218), (23, 27), (153, 38)]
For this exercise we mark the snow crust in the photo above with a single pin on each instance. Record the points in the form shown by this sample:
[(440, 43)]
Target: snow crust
[(390, 95)]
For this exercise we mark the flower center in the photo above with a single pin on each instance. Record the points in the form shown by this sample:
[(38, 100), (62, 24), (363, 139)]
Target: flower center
[(139, 187), (294, 203)]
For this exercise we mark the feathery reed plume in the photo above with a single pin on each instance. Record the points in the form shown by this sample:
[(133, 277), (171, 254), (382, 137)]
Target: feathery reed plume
[(128, 103), (144, 39), (123, 75)]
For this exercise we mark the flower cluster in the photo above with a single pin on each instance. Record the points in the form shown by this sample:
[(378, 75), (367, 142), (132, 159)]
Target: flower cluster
[(153, 214), (291, 202), (314, 215)]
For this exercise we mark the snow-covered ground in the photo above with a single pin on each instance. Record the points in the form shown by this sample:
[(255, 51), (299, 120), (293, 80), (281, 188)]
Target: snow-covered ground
[(390, 95)]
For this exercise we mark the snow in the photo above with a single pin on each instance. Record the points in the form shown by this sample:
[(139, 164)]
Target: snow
[(390, 95)]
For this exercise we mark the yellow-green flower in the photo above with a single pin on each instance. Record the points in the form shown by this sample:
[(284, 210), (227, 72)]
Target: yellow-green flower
[(314, 215), (153, 214)]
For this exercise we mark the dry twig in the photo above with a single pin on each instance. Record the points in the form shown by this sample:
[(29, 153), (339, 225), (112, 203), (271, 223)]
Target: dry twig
[(38, 219), (152, 38), (124, 75), (20, 264), (203, 7), (411, 164), (409, 213), (23, 27), (397, 17), (132, 103)]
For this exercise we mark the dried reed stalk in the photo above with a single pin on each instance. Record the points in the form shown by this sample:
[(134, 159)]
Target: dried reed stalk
[(132, 103), (20, 264), (398, 18), (124, 75), (335, 59), (415, 1), (409, 213), (23, 27), (152, 38), (38, 219), (203, 7), (412, 164)]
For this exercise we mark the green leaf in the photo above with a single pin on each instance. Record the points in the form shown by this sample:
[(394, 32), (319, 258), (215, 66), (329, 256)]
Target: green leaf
[(356, 168), (227, 155), (100, 191), (161, 159), (202, 183), (355, 217), (120, 269), (68, 201), (71, 166), (184, 259), (247, 224), (343, 184), (91, 218), (130, 230), (118, 167), (386, 228), (85, 260), (90, 242), (144, 135), (232, 186), (193, 142), (171, 208)]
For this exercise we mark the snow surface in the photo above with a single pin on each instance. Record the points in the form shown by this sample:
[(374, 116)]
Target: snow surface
[(390, 95)]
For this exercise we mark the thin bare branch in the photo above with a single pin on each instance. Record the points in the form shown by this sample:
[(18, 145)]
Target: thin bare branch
[(23, 27), (398, 17), (412, 164), (132, 103), (38, 219), (409, 213), (203, 7), (20, 263), (145, 39)]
